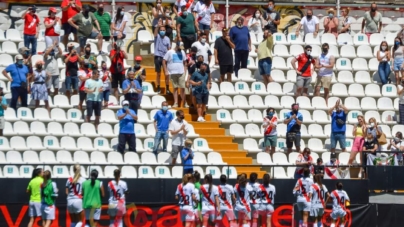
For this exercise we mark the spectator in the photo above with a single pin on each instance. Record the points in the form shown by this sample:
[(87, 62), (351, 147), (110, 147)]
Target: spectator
[(325, 63), (264, 52), (224, 51), (303, 160), (256, 23), (127, 118), (331, 23), (383, 56), (88, 58), (203, 12), (161, 45), (310, 24), (194, 64), (31, 31), (179, 130), (319, 168), (371, 146), (39, 90), (162, 120), (117, 70), (71, 61), (84, 74), (272, 17), (104, 19), (358, 133), (338, 125), (187, 27), (400, 93), (203, 47), (94, 89), (242, 41), (84, 24), (344, 25), (53, 27), (168, 23), (187, 154), (303, 71), (106, 80), (374, 128), (69, 9), (201, 82), (3, 107), (401, 33), (372, 21), (19, 73), (158, 12), (397, 144), (51, 66), (398, 59), (270, 123), (132, 90), (177, 7), (175, 64), (333, 162), (294, 120), (118, 25), (138, 69)]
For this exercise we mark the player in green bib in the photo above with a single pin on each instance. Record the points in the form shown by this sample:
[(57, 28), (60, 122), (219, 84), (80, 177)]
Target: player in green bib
[(92, 191)]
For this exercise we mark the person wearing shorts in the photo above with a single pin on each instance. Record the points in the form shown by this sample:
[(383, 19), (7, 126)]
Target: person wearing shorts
[(302, 193), (92, 191), (34, 190), (186, 25), (69, 9), (49, 192), (338, 125), (84, 74), (398, 59), (179, 130), (303, 71), (74, 196), (203, 11), (94, 88), (270, 123), (293, 120), (242, 209), (162, 44), (339, 199), (264, 53), (72, 68), (201, 82), (325, 63), (117, 56), (224, 55)]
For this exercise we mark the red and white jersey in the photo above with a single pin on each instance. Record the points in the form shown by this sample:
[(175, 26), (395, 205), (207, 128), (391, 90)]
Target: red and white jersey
[(318, 195), (242, 197), (225, 196), (338, 199), (184, 192), (208, 197), (253, 189), (117, 191), (303, 185), (75, 189), (198, 199), (267, 194), (300, 158)]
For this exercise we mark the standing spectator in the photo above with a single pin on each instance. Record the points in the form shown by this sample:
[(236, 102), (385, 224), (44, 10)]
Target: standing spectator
[(325, 63), (374, 128), (127, 118), (201, 83), (118, 25), (338, 125), (138, 69), (384, 56), (272, 17), (53, 27), (331, 23), (344, 25), (303, 160), (177, 6), (372, 21), (39, 90), (204, 10), (396, 144), (194, 64), (187, 27), (400, 93), (358, 132), (264, 52), (158, 12), (175, 64), (161, 45), (294, 120), (51, 66), (270, 123), (310, 24), (106, 80), (187, 154), (84, 74), (132, 90), (203, 47), (169, 23), (242, 41), (398, 59), (31, 31), (162, 120), (71, 61), (94, 89), (303, 71), (3, 107), (84, 23), (69, 9), (117, 70), (224, 51), (179, 130), (256, 23), (104, 19), (88, 58), (18, 79)]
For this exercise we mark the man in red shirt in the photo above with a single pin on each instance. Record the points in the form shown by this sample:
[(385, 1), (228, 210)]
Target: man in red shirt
[(303, 71), (31, 23), (117, 70), (70, 8)]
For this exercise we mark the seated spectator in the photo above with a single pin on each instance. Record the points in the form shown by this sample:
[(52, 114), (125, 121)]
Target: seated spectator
[(371, 146), (303, 160), (397, 144), (333, 160), (374, 129), (319, 168)]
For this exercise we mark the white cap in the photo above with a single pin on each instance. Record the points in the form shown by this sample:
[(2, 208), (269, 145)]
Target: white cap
[(125, 102), (19, 57)]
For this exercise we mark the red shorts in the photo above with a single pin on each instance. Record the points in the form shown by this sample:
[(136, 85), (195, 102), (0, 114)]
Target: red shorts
[(358, 144)]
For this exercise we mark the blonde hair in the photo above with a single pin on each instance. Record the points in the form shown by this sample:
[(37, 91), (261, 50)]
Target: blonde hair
[(372, 118), (77, 173), (188, 142), (346, 10), (186, 178)]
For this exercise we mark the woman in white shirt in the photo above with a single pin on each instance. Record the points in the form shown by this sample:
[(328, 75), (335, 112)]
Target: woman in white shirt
[(256, 22), (384, 56), (397, 144), (203, 12), (118, 24)]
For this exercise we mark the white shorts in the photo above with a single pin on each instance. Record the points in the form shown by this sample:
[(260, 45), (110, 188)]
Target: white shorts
[(115, 210), (48, 212), (34, 209), (210, 213), (94, 213), (316, 212), (266, 209), (241, 213), (74, 206), (2, 122), (335, 214), (187, 213), (304, 206), (229, 214)]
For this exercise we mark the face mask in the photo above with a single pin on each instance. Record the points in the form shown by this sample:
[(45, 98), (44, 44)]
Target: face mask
[(162, 33), (368, 140), (104, 68), (270, 8), (397, 43), (39, 67), (189, 146), (158, 4), (167, 14), (165, 108), (308, 52), (295, 111), (309, 16), (85, 12), (101, 10), (33, 11), (396, 139), (384, 47), (372, 124), (203, 40), (306, 156), (185, 13), (20, 62), (202, 71), (325, 50), (257, 15), (26, 53), (270, 114), (330, 15), (182, 117), (125, 107), (137, 66), (88, 52), (1, 93), (239, 25), (373, 9)]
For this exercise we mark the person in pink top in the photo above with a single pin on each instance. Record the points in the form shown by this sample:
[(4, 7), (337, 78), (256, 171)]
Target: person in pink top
[(69, 9), (31, 23), (53, 26), (331, 23)]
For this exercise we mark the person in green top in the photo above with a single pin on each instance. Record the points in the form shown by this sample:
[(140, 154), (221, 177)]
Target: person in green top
[(89, 58), (186, 28), (104, 19), (92, 191), (34, 190), (197, 180), (264, 53), (49, 192)]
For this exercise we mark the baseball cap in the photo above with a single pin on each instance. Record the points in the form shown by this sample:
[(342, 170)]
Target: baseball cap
[(53, 9), (33, 7), (138, 58), (23, 49), (125, 102), (19, 57), (181, 45), (333, 156)]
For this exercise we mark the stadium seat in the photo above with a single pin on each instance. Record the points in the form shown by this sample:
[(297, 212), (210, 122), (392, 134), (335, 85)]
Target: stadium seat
[(373, 64), (352, 103), (255, 101), (6, 60), (14, 157), (85, 144), (25, 113), (108, 116), (240, 101), (295, 39), (164, 158), (289, 88), (72, 129), (254, 115), (88, 130), (10, 115), (74, 115), (199, 158), (360, 39), (343, 158), (4, 144), (328, 38), (83, 171), (162, 172), (47, 156), (63, 156), (148, 89), (58, 115), (148, 158), (281, 51), (242, 87), (292, 157), (11, 171), (26, 171), (356, 90), (35, 143), (214, 171), (362, 77), (334, 51), (102, 144), (280, 38), (279, 63), (224, 116), (105, 130), (38, 128), (368, 103), (9, 48), (279, 158), (157, 101), (98, 158), (258, 88), (81, 157), (365, 51), (352, 116), (109, 171), (8, 129), (320, 117), (319, 103), (252, 130), (359, 64), (201, 145), (310, 39), (131, 158), (13, 35), (316, 145), (214, 90), (327, 130), (388, 90), (264, 158), (251, 146), (344, 39), (372, 90), (274, 89), (215, 158), (339, 90), (146, 103), (226, 102), (272, 101), (30, 157), (115, 158), (372, 113), (18, 143), (212, 103), (227, 88), (68, 143), (348, 51), (304, 103), (316, 131), (385, 103), (295, 50), (389, 117), (60, 171), (278, 76), (240, 116), (128, 172), (279, 173)]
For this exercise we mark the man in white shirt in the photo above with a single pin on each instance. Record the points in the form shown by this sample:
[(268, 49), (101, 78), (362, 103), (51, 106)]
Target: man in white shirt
[(325, 63), (203, 48), (179, 130), (310, 24)]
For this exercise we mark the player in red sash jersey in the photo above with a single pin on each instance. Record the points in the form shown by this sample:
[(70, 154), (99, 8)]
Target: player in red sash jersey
[(302, 192), (226, 198), (210, 202), (319, 193), (340, 199), (266, 196), (242, 208), (186, 196)]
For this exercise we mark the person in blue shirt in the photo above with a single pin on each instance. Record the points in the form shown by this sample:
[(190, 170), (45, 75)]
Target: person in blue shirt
[(19, 73), (162, 120), (293, 120), (127, 118), (132, 91), (3, 107), (240, 36), (187, 154), (338, 125)]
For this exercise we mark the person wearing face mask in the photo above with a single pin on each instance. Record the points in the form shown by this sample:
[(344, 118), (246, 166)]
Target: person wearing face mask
[(162, 120), (303, 160), (71, 60), (3, 107), (256, 23), (310, 24), (293, 120), (397, 60), (39, 90), (177, 7), (161, 45), (303, 71), (187, 154), (31, 28), (344, 25), (84, 74), (118, 24), (169, 23), (397, 144), (132, 90), (383, 56), (127, 119), (69, 9), (88, 58), (270, 123), (325, 63), (203, 47), (242, 41), (18, 78), (117, 56), (264, 53), (372, 21), (53, 26), (157, 11), (203, 11), (371, 146), (224, 55), (187, 27), (105, 75), (376, 131), (138, 69), (338, 125), (331, 23), (51, 67), (94, 88), (201, 83), (179, 130), (272, 17), (104, 19)]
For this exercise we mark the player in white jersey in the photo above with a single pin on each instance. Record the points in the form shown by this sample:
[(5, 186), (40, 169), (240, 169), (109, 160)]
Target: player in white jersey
[(226, 198), (116, 203), (319, 193), (266, 196), (302, 192), (340, 199), (253, 188), (195, 205), (185, 195), (210, 201), (242, 209), (74, 196)]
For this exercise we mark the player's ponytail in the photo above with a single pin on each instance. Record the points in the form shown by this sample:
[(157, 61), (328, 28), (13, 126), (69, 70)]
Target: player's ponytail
[(266, 179), (197, 176), (208, 180), (36, 172), (253, 177), (117, 174), (77, 173), (317, 179), (93, 176)]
